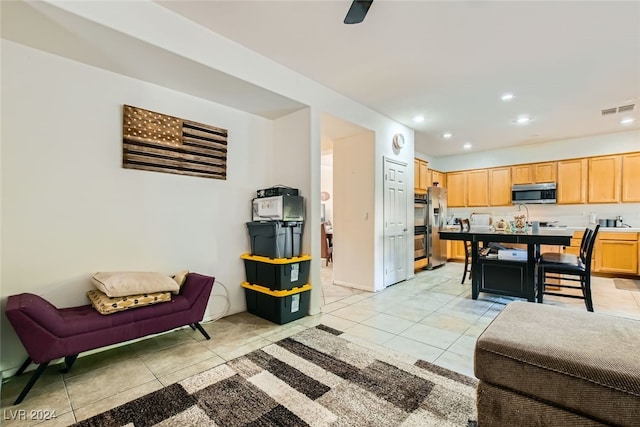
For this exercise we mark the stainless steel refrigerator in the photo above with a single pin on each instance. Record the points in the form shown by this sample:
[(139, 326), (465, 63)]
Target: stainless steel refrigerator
[(437, 215)]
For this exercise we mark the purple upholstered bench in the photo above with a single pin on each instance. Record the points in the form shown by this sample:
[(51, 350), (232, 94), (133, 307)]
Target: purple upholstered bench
[(50, 333)]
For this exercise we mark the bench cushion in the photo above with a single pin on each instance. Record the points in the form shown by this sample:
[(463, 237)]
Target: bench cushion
[(107, 305), (584, 362), (123, 283)]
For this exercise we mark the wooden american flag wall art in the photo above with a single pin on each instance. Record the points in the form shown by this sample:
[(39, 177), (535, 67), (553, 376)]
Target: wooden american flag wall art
[(157, 142)]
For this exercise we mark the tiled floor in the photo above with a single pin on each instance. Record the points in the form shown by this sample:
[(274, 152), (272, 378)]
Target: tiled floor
[(431, 317)]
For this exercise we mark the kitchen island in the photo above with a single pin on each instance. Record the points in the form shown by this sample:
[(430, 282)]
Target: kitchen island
[(507, 277)]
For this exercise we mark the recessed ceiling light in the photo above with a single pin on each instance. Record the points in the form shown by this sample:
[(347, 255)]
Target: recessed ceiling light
[(467, 146), (627, 121), (523, 119), (418, 119), (507, 97), (447, 135)]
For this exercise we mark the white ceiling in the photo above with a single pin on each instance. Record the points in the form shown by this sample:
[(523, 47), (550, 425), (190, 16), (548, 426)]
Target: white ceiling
[(452, 60), (448, 60)]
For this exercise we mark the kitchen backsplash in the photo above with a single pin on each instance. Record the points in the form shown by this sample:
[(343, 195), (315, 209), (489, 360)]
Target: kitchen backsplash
[(569, 215)]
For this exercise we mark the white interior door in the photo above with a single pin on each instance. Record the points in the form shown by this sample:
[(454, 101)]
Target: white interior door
[(395, 222)]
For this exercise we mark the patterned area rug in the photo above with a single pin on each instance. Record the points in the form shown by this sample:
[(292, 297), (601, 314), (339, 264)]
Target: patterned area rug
[(314, 378), (627, 284)]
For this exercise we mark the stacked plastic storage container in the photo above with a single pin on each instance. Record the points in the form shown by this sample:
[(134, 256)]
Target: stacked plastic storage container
[(277, 287)]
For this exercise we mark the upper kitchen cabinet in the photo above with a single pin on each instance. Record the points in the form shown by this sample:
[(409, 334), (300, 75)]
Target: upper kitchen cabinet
[(572, 181), (605, 179), (420, 176), (631, 177), (545, 172), (478, 187), (500, 187), (438, 177), (457, 189), (522, 174), (533, 173)]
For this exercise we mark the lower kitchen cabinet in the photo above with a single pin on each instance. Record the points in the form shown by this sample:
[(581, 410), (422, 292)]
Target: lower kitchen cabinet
[(455, 250), (617, 253), (420, 264)]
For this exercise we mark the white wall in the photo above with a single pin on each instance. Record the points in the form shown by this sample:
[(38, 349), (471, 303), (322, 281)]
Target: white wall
[(569, 215), (622, 142), (74, 210), (196, 43), (291, 165), (70, 209), (326, 183), (354, 234)]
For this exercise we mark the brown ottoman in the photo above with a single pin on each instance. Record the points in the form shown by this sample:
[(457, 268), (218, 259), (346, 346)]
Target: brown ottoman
[(545, 365)]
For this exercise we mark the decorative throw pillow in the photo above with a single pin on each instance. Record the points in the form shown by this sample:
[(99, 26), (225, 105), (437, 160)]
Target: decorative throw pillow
[(124, 283), (180, 277), (108, 305)]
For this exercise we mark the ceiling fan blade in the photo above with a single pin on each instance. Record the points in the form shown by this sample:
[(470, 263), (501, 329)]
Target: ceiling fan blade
[(357, 11)]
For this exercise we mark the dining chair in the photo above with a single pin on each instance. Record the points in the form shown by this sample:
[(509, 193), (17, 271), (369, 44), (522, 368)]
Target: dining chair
[(567, 258), (465, 225), (467, 260), (567, 268), (327, 247)]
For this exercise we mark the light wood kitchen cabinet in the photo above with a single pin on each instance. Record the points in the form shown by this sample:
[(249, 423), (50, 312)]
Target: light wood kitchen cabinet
[(616, 252), (631, 177), (455, 250), (534, 173), (420, 264), (522, 174), (572, 181), (605, 179), (457, 189), (478, 187), (420, 176), (545, 172), (602, 179), (424, 176), (438, 177), (500, 187), (576, 241)]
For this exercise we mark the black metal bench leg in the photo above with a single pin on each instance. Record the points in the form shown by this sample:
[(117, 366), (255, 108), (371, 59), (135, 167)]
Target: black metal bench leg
[(68, 361), (24, 366), (197, 325), (192, 326), (31, 382)]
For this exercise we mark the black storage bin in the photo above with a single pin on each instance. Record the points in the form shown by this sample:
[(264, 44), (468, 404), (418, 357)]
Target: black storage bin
[(277, 273), (277, 306), (275, 239), (296, 237)]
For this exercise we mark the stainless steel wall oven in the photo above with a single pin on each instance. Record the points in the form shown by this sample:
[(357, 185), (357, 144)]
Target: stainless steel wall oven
[(420, 245), (421, 211)]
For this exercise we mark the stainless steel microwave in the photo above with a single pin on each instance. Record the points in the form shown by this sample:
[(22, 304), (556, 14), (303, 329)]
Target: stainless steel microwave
[(534, 193)]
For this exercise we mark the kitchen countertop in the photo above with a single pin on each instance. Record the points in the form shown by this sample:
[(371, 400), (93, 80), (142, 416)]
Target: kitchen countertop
[(606, 229), (482, 228)]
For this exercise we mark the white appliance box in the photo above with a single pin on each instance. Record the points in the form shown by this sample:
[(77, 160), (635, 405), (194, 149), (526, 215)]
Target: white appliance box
[(512, 254)]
